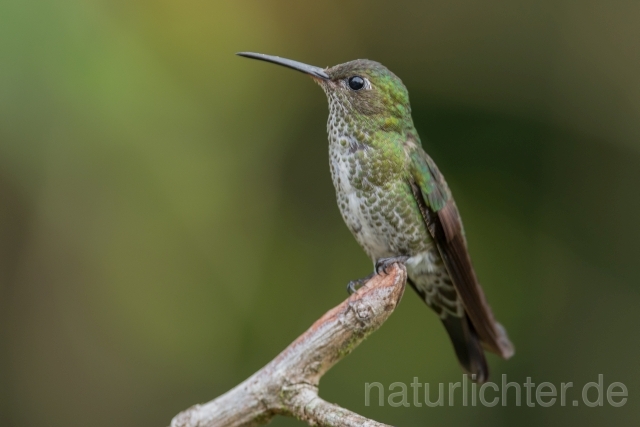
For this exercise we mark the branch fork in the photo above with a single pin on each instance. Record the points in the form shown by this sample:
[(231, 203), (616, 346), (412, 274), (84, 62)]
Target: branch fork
[(288, 385)]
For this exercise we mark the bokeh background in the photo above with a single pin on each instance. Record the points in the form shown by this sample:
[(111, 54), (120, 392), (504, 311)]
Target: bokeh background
[(168, 223)]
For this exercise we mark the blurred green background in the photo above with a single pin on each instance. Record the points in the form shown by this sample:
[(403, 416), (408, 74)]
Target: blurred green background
[(168, 223)]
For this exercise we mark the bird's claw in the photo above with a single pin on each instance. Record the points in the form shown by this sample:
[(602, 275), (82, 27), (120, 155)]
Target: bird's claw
[(381, 267), (354, 285), (384, 263)]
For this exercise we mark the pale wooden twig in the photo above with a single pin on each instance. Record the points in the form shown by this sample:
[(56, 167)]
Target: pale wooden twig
[(288, 385)]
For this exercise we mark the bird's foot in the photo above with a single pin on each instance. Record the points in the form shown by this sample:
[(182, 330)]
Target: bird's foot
[(383, 263), (381, 267), (354, 285)]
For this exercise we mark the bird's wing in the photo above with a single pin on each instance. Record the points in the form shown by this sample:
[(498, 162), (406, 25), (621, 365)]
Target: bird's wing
[(443, 221)]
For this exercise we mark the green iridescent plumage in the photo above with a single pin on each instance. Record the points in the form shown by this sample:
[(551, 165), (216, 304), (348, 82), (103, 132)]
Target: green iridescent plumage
[(397, 204)]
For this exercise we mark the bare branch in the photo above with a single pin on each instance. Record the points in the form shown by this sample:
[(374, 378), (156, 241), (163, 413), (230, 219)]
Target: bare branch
[(288, 385)]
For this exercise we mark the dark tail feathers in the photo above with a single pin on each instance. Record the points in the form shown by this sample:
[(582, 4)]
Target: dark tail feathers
[(467, 346)]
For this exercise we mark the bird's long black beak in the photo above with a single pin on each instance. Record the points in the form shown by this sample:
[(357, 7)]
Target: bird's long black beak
[(305, 68)]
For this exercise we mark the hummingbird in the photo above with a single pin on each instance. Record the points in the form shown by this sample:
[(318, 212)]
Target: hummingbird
[(397, 204)]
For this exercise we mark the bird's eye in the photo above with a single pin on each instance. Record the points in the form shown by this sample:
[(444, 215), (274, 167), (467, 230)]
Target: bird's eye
[(356, 82)]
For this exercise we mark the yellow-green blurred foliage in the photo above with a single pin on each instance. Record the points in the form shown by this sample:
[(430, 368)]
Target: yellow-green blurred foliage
[(168, 224)]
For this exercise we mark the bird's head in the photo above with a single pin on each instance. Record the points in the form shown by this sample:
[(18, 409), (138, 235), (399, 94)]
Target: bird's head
[(360, 91)]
